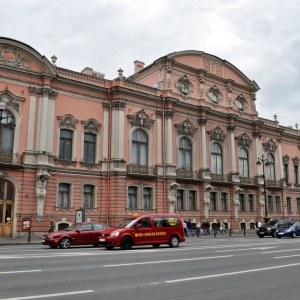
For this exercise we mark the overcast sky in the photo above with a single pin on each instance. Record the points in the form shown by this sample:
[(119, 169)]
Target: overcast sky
[(259, 37)]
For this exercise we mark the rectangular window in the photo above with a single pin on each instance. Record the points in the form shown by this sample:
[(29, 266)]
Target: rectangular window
[(286, 172), (224, 206), (147, 198), (132, 197), (298, 205), (65, 144), (277, 204), (179, 202), (166, 222), (213, 201), (242, 202), (289, 205), (88, 196), (250, 202), (270, 203), (89, 147), (64, 195), (192, 200), (296, 178)]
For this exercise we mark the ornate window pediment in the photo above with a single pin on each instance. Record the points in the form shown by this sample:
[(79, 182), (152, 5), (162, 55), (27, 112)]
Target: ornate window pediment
[(186, 128), (270, 146), (295, 161), (212, 65), (11, 100), (241, 103), (285, 159), (184, 86), (215, 95), (10, 56), (244, 140), (91, 125), (140, 119), (217, 134), (67, 122)]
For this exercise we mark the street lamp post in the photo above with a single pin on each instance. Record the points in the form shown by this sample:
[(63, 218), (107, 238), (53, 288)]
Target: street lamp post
[(265, 163)]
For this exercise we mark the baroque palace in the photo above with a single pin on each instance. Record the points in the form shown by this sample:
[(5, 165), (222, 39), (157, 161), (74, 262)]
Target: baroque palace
[(180, 135)]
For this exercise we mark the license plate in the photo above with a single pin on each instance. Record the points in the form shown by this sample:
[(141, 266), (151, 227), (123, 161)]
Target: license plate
[(101, 240), (280, 233)]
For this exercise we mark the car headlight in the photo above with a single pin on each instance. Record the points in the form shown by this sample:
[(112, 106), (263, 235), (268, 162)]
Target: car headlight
[(269, 228), (50, 236), (115, 233), (276, 230), (288, 230)]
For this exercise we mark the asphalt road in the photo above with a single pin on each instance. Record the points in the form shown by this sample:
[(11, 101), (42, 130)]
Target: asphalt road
[(202, 268)]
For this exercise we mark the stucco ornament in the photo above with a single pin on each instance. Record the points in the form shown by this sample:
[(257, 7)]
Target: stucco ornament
[(41, 181), (184, 86), (172, 196), (236, 204), (262, 203)]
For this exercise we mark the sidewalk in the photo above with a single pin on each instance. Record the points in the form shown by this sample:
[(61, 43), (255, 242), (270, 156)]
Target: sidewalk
[(22, 240)]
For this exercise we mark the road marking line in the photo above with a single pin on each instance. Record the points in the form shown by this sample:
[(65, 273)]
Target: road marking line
[(248, 249), (14, 272), (287, 256), (49, 295), (282, 251), (229, 274), (165, 261)]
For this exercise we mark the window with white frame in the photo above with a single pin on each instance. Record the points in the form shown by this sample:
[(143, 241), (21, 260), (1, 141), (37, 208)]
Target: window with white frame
[(286, 172), (180, 200), (65, 144), (64, 195), (213, 204), (243, 162), (277, 206), (270, 167), (147, 198), (89, 149), (185, 154), (139, 148), (88, 196), (270, 203), (132, 197), (250, 202), (7, 130), (296, 176), (192, 200), (242, 202), (224, 202), (216, 159)]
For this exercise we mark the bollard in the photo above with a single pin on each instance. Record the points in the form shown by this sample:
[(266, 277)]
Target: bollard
[(29, 236)]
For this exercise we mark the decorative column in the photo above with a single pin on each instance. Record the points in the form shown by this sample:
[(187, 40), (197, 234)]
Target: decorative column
[(31, 121), (105, 136), (232, 154), (257, 152), (117, 136), (159, 166), (50, 121), (170, 169), (205, 172)]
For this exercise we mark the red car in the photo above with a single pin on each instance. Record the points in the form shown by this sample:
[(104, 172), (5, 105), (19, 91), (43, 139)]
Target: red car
[(78, 234)]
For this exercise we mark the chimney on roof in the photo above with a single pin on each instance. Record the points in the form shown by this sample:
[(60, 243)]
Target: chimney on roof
[(138, 66), (91, 72)]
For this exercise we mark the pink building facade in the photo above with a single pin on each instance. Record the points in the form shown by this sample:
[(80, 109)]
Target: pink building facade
[(180, 135)]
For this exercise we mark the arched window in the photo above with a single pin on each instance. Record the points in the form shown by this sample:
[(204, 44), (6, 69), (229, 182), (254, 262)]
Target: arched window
[(270, 166), (7, 135), (243, 163), (185, 154), (139, 148), (216, 159)]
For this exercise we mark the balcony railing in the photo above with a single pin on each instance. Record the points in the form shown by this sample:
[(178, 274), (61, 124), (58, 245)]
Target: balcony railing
[(183, 173), (139, 169), (8, 157), (246, 180), (218, 177)]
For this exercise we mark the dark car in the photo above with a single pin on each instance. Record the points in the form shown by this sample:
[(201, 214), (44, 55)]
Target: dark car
[(270, 228), (86, 233), (291, 231)]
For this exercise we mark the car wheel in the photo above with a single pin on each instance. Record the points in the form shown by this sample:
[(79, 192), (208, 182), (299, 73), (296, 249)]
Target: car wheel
[(261, 236), (109, 248), (126, 243), (294, 235), (174, 241), (65, 243), (156, 245), (53, 247)]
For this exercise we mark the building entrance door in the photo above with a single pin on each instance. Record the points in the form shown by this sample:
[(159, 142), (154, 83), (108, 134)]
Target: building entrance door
[(6, 208)]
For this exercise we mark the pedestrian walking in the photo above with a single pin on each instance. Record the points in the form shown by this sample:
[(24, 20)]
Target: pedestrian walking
[(198, 228), (185, 228), (51, 226), (189, 227)]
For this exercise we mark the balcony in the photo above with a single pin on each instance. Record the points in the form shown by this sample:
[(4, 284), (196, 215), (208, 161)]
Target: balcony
[(184, 173), (246, 180), (139, 169), (8, 157), (219, 177)]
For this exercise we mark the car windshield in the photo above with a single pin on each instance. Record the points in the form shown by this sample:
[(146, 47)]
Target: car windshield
[(284, 225), (295, 225), (72, 227), (126, 223), (272, 222)]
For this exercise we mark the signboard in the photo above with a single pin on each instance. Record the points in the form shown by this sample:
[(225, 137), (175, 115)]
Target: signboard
[(79, 217)]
